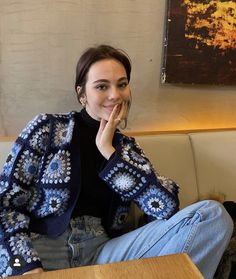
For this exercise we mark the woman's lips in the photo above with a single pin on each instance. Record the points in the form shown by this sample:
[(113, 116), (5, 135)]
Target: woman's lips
[(111, 107)]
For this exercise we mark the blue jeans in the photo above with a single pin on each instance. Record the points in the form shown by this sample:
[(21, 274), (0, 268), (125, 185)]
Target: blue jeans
[(202, 230)]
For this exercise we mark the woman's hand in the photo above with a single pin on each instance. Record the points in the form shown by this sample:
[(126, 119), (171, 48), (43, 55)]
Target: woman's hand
[(107, 129), (36, 270)]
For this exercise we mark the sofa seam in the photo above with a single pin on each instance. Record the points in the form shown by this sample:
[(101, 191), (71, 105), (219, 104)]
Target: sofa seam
[(195, 164)]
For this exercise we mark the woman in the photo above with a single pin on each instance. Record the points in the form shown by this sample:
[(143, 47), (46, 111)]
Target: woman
[(68, 183)]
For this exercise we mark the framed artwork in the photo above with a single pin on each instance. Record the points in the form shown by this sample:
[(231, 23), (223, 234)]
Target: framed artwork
[(200, 42)]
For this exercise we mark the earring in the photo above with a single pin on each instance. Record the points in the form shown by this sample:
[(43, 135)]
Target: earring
[(83, 103)]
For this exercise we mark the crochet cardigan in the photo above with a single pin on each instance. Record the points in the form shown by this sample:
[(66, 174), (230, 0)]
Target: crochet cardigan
[(40, 185)]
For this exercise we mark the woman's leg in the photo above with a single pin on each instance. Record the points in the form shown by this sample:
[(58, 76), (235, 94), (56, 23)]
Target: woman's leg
[(77, 246), (54, 252), (202, 230)]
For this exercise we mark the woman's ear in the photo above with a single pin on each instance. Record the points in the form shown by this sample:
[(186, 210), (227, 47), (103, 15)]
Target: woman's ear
[(78, 89), (81, 96)]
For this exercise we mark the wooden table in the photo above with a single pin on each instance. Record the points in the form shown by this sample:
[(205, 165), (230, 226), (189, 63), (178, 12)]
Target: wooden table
[(178, 266)]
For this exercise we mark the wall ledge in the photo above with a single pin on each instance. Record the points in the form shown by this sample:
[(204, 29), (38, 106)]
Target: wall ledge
[(144, 133), (186, 131)]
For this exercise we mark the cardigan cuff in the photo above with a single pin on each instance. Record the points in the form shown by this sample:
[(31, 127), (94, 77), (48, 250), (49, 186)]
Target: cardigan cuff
[(124, 178)]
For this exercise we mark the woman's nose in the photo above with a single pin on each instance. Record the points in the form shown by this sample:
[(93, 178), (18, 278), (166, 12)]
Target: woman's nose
[(114, 93)]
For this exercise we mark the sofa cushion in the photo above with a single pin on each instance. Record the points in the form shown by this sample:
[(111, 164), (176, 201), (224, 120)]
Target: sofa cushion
[(215, 159)]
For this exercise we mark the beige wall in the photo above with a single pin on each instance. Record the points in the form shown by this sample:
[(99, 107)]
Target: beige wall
[(41, 40)]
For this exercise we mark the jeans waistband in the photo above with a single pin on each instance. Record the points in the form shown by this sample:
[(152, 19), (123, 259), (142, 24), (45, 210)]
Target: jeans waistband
[(85, 222)]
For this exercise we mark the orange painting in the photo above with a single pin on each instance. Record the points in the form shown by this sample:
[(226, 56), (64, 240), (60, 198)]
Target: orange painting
[(200, 42)]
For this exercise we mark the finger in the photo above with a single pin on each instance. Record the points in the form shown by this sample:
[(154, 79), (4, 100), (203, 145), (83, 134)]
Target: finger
[(101, 126), (114, 114), (123, 111)]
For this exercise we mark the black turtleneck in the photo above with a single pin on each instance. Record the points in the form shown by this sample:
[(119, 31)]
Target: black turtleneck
[(95, 194)]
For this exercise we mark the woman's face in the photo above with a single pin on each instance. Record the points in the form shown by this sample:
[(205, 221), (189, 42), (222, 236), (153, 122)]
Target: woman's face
[(107, 85)]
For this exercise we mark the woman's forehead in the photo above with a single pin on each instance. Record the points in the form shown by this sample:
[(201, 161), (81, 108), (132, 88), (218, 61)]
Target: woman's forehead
[(106, 69)]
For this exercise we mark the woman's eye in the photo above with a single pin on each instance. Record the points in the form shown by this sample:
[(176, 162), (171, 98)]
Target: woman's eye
[(123, 84), (101, 87)]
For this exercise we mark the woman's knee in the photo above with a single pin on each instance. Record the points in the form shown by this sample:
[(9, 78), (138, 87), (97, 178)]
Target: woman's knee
[(221, 217)]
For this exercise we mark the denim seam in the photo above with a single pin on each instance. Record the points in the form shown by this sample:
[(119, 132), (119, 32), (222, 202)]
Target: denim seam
[(190, 238), (148, 247)]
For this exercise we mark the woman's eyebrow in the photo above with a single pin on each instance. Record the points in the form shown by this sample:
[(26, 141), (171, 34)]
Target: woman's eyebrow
[(101, 80), (106, 80), (122, 78)]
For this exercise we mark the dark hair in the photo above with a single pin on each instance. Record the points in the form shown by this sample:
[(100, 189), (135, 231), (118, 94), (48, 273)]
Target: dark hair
[(94, 54)]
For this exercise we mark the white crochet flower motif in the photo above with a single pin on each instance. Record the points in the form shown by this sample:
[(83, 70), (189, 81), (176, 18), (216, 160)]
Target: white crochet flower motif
[(27, 167), (55, 201), (124, 181), (17, 195), (155, 204), (63, 133), (136, 159), (58, 168), (40, 138)]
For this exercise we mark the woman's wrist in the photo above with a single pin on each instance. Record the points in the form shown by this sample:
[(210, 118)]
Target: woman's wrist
[(107, 152)]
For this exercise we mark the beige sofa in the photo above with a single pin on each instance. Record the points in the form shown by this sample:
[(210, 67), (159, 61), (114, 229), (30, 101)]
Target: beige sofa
[(202, 163)]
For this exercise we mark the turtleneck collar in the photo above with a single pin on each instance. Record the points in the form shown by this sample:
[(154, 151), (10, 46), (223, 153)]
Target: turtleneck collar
[(89, 120)]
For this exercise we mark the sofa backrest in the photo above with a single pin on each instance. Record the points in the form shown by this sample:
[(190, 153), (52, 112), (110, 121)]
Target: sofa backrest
[(215, 162)]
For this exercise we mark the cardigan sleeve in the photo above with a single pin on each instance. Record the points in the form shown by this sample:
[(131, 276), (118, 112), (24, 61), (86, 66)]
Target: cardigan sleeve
[(129, 173), (17, 180)]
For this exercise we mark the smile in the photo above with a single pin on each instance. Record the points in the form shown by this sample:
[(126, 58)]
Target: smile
[(111, 107)]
